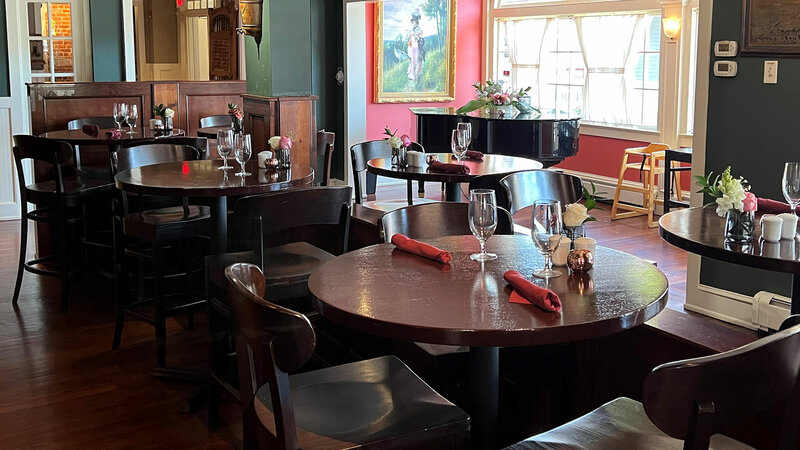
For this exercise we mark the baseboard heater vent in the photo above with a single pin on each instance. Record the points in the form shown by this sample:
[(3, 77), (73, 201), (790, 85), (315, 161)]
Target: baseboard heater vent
[(770, 310)]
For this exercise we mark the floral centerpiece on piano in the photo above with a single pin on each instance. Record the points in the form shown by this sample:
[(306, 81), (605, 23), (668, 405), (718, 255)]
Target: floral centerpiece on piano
[(236, 117), (399, 147), (282, 146), (576, 214), (497, 100), (734, 201)]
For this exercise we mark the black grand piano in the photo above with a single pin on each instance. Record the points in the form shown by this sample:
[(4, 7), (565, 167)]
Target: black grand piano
[(546, 138)]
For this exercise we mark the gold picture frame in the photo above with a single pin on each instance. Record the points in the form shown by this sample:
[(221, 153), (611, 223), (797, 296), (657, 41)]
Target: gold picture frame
[(406, 69)]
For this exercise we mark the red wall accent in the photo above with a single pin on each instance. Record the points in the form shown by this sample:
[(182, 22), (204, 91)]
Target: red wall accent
[(468, 71)]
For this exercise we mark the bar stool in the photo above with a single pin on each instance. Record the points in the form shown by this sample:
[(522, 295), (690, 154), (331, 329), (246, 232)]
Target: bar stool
[(648, 169)]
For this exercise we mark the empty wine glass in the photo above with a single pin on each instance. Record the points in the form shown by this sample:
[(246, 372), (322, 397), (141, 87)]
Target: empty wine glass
[(482, 220), (456, 145), (242, 151), (546, 233), (791, 184), (120, 114), (131, 118), (224, 147), (466, 128)]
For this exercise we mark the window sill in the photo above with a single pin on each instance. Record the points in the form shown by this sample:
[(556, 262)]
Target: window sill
[(629, 134)]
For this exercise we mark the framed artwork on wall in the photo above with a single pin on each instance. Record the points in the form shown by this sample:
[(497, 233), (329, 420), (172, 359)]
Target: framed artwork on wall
[(415, 51), (771, 27)]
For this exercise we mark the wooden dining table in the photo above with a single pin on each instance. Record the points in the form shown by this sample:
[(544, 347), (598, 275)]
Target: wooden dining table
[(78, 137), (384, 291), (491, 164), (205, 179)]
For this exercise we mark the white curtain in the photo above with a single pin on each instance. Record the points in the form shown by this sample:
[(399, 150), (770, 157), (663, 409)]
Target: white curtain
[(525, 39), (606, 43)]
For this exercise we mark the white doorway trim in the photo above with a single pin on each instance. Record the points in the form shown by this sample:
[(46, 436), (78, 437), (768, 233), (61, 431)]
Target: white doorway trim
[(355, 79), (129, 40)]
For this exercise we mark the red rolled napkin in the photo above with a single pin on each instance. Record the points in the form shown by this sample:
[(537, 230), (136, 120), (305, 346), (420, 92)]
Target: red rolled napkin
[(769, 206), (421, 249), (474, 154), (529, 293), (113, 134), (91, 130), (458, 169)]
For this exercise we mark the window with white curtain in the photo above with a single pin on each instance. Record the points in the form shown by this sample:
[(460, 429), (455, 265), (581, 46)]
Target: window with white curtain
[(603, 67)]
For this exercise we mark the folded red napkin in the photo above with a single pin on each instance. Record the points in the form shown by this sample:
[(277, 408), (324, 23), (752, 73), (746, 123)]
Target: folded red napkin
[(420, 248), (769, 206), (91, 130), (474, 154), (439, 166), (529, 293), (113, 134)]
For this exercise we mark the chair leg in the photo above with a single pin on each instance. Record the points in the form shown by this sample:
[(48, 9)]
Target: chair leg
[(409, 193), (652, 192), (421, 189), (160, 313), (23, 247), (120, 281), (678, 189), (619, 186), (65, 277)]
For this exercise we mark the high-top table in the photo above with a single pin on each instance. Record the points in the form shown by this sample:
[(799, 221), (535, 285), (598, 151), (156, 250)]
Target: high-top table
[(386, 292), (491, 164), (204, 179), (701, 231)]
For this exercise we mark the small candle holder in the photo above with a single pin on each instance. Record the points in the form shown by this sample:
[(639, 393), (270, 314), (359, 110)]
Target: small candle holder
[(580, 260)]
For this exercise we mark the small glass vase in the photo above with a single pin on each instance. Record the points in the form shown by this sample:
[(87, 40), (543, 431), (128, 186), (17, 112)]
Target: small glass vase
[(740, 226), (284, 157), (400, 157), (236, 124), (167, 123), (574, 232)]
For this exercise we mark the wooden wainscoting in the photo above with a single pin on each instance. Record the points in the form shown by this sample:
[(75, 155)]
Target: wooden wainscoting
[(270, 116)]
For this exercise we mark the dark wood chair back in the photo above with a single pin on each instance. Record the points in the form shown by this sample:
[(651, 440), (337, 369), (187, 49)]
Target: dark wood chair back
[(198, 143), (359, 155), (56, 154), (695, 398), (219, 120), (325, 141), (428, 220), (148, 154), (523, 188), (101, 122), (270, 342), (505, 224), (266, 220)]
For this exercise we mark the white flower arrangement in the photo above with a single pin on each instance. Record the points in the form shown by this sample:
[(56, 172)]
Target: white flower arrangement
[(168, 112), (731, 194)]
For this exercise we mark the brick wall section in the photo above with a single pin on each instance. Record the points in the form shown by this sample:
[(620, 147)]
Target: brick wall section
[(61, 22)]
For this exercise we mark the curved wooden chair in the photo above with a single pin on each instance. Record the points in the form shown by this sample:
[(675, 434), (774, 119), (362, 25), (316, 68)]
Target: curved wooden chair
[(101, 122), (92, 160), (648, 169), (377, 403), (427, 221), (686, 403), (219, 120), (325, 141), (523, 188), (359, 155)]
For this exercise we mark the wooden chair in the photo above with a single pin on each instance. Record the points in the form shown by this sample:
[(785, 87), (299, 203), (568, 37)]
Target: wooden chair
[(144, 230), (686, 402), (59, 202), (523, 188), (198, 143), (359, 155), (648, 169), (101, 122), (427, 221), (377, 403), (219, 120), (325, 141), (92, 160)]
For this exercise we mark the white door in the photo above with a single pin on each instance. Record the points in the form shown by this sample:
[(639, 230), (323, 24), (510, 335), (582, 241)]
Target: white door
[(47, 42)]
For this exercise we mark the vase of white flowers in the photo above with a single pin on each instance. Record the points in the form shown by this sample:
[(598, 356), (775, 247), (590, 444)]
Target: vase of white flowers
[(577, 214), (734, 201), (282, 147), (399, 147)]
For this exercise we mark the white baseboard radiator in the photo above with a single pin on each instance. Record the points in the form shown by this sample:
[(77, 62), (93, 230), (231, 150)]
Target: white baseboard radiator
[(770, 310)]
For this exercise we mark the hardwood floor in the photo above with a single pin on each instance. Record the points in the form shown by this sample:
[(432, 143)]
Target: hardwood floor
[(62, 386)]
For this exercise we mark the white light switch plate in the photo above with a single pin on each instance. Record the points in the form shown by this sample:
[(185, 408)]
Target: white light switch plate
[(770, 72)]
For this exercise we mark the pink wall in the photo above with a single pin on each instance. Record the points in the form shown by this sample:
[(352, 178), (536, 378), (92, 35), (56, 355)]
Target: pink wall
[(468, 71)]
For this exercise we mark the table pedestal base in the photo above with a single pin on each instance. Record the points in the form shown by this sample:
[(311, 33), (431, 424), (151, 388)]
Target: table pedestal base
[(219, 222), (795, 294), (452, 192), (484, 381)]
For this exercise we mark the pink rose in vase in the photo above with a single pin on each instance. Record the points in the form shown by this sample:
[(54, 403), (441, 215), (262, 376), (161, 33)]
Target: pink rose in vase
[(406, 140), (285, 143), (750, 202)]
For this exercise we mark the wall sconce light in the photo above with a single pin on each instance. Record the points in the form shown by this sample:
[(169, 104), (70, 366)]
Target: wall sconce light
[(251, 11), (672, 27)]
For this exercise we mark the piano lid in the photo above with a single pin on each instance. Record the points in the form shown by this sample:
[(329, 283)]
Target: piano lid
[(482, 114)]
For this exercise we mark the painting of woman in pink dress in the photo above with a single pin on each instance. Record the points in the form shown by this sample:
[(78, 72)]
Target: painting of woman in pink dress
[(415, 47)]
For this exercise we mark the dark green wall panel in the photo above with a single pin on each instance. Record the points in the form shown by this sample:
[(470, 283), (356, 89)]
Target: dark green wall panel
[(290, 46), (5, 89), (108, 48)]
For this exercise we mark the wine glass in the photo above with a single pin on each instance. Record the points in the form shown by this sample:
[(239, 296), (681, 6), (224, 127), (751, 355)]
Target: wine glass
[(456, 145), (242, 151), (224, 147), (131, 118), (791, 184), (466, 128), (120, 114), (546, 233), (482, 220)]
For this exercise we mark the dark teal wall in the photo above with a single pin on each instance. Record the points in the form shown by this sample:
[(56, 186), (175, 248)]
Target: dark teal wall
[(5, 89), (257, 59), (108, 51), (754, 128), (290, 44), (327, 55)]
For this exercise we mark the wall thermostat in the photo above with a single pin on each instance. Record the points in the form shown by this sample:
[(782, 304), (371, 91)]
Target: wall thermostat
[(725, 68), (725, 49)]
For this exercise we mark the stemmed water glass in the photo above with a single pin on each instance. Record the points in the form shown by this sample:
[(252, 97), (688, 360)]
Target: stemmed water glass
[(546, 233), (457, 145), (482, 220), (224, 147), (466, 129), (131, 118), (791, 184), (242, 152), (120, 114)]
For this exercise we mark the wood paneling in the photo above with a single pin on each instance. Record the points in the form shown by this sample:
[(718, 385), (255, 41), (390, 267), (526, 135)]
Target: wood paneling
[(200, 99), (270, 116), (167, 94)]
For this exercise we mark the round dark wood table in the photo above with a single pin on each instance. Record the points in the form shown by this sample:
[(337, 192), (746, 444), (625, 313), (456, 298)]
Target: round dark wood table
[(204, 179), (386, 292), (78, 137), (702, 232), (491, 164), (210, 132)]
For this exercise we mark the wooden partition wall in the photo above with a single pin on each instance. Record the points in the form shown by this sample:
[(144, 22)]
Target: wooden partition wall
[(271, 116)]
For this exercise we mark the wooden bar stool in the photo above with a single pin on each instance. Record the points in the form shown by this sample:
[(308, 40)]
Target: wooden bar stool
[(648, 169)]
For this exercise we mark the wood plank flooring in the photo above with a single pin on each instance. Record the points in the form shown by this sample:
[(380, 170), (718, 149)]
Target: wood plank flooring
[(61, 385)]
